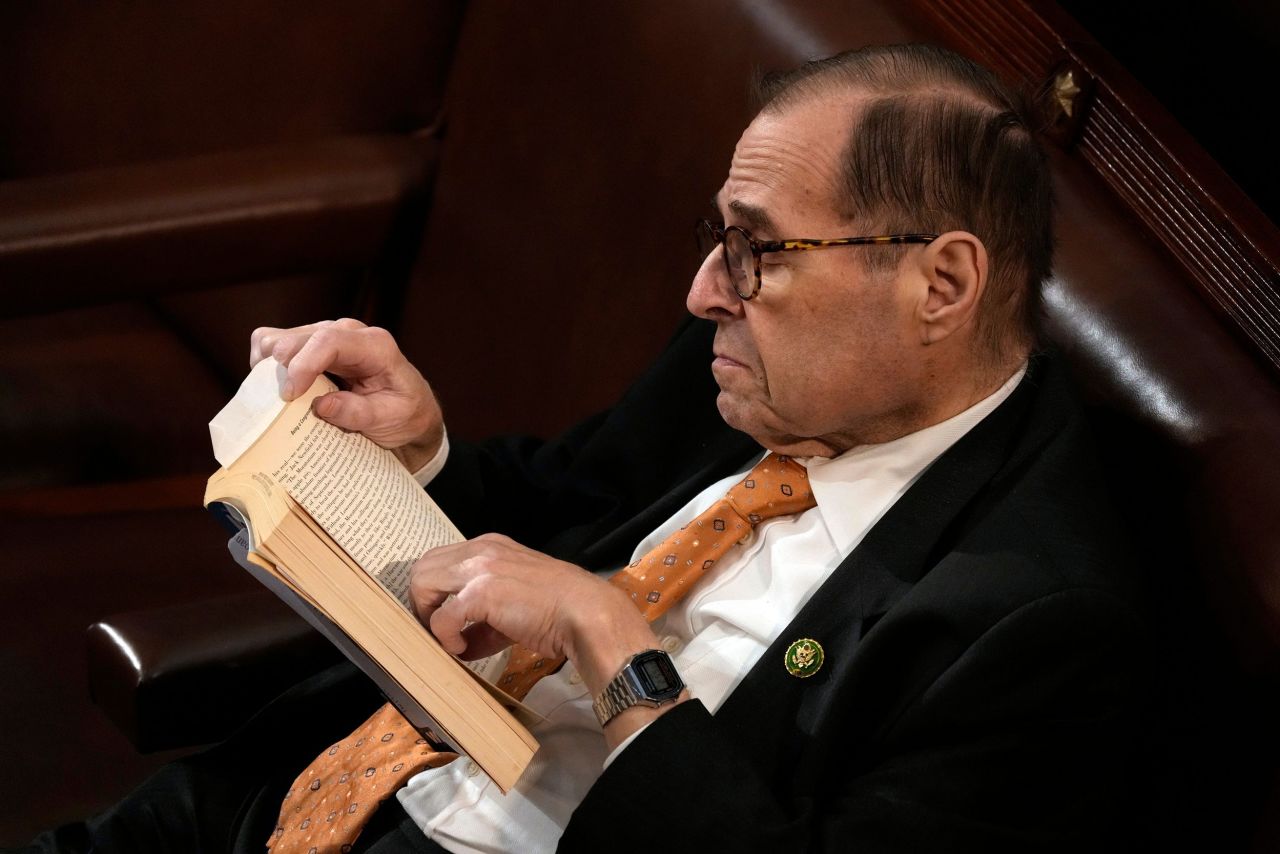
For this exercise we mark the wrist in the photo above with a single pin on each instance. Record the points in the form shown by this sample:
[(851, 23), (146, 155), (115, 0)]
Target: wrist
[(417, 453), (605, 638), (642, 691), (624, 724)]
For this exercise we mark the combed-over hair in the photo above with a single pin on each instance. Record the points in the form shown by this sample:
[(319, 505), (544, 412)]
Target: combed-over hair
[(940, 144)]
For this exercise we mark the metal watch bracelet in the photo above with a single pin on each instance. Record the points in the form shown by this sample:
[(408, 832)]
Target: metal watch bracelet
[(632, 688), (617, 697)]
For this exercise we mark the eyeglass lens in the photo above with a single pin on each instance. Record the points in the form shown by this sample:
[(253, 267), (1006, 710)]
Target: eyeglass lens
[(739, 262)]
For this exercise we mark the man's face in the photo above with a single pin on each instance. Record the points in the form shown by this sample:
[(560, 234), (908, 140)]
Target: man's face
[(826, 356)]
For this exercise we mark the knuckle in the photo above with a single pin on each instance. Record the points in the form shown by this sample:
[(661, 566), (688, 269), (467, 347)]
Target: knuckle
[(419, 590), (480, 588), (315, 347), (347, 323), (260, 341), (483, 562), (491, 542), (324, 335), (380, 339)]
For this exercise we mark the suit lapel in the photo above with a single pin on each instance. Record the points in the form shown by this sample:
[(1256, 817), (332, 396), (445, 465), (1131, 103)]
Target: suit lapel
[(893, 556)]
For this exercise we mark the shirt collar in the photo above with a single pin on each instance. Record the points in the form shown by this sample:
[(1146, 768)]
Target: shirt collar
[(856, 488)]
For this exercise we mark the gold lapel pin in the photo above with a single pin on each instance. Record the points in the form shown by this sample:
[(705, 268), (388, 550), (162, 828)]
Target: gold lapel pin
[(804, 658)]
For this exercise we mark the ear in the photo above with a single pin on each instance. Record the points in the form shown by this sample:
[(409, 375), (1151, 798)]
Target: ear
[(954, 271)]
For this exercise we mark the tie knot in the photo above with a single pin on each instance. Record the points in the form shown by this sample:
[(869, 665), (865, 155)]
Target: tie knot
[(777, 486)]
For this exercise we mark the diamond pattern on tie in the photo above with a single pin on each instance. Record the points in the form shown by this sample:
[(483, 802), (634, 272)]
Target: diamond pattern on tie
[(332, 800)]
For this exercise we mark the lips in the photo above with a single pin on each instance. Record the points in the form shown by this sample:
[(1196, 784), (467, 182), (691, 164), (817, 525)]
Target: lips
[(723, 361)]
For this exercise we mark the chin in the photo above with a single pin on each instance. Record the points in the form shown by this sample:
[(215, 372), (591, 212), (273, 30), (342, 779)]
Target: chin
[(741, 416), (736, 414)]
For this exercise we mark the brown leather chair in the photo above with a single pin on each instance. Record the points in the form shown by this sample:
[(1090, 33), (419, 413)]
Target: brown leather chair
[(170, 176), (584, 140), (167, 174)]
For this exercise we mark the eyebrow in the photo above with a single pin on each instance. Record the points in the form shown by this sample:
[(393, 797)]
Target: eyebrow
[(757, 218)]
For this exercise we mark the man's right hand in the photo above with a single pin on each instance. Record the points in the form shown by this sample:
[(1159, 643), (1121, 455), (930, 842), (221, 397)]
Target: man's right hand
[(386, 398)]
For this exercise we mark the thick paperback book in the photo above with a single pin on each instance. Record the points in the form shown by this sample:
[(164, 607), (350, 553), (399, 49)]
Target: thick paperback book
[(332, 523)]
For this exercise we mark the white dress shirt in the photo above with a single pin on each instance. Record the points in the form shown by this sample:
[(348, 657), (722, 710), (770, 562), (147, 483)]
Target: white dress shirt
[(715, 635)]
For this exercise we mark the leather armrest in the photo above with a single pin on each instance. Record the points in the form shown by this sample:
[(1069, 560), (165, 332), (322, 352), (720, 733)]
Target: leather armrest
[(192, 673), (99, 236)]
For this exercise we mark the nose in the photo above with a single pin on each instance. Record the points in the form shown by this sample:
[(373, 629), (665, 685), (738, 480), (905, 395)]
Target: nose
[(711, 295)]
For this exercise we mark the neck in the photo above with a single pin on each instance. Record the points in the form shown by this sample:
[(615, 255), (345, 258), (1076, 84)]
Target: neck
[(944, 395)]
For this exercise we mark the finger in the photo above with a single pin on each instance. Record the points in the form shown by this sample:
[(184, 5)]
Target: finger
[(372, 415), (469, 559), (425, 601), (284, 343), (287, 344), (263, 340), (449, 569), (483, 640), (442, 565), (260, 341), (433, 578), (447, 623), (347, 410), (347, 352)]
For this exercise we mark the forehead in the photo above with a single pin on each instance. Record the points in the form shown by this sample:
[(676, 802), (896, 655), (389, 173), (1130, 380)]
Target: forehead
[(786, 167)]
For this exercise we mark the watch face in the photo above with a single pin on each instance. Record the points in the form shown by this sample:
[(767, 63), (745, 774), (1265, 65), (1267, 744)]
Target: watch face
[(658, 677)]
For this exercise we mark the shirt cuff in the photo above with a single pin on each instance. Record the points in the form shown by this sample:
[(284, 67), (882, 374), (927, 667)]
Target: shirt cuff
[(617, 751), (432, 467)]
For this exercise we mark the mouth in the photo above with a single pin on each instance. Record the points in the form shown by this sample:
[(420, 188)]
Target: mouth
[(723, 361)]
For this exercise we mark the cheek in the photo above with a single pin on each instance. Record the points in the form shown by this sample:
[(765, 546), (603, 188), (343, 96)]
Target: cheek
[(827, 360), (797, 363)]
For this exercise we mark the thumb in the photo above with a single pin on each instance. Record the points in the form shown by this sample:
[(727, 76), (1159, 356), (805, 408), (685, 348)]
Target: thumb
[(345, 409)]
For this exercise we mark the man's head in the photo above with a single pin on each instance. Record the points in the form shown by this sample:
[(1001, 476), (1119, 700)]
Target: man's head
[(850, 345)]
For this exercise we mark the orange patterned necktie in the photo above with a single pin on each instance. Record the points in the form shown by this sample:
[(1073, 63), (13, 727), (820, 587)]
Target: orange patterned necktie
[(777, 486), (332, 800)]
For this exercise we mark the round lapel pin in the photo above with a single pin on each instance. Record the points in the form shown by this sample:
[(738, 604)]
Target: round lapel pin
[(804, 658)]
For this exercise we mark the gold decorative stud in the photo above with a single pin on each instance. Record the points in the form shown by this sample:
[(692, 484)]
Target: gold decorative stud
[(1065, 92)]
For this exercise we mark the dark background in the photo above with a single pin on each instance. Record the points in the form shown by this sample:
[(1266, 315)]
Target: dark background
[(1212, 65), (103, 406)]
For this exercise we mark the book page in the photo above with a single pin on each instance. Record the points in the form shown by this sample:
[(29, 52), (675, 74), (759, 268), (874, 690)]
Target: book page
[(358, 492), (362, 496)]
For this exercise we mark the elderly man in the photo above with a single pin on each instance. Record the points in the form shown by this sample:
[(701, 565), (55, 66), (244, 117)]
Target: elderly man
[(913, 630)]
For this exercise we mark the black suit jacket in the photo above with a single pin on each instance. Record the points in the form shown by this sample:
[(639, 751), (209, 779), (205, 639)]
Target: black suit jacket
[(981, 642)]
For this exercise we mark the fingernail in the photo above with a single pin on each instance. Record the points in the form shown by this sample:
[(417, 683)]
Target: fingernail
[(287, 390)]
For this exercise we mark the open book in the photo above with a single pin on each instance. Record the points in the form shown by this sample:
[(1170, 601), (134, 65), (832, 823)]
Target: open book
[(332, 523)]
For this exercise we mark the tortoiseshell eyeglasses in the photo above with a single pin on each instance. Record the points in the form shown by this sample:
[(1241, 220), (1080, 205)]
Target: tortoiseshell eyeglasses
[(742, 251)]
